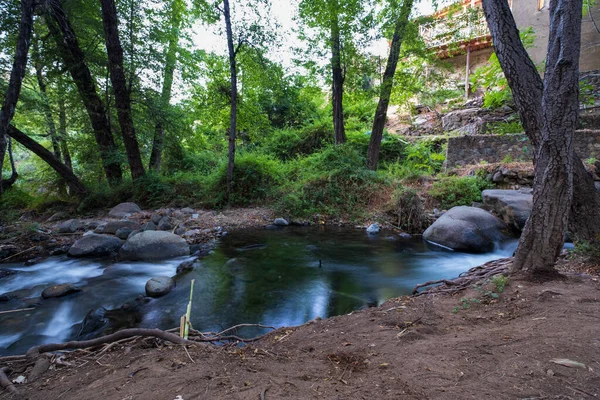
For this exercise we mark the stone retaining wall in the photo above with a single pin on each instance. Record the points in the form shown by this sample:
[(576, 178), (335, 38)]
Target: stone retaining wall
[(467, 150)]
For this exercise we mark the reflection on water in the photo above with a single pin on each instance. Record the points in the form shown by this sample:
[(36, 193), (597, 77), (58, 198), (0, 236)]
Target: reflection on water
[(279, 278)]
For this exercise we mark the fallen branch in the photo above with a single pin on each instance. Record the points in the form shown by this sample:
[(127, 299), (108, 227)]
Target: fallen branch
[(466, 279), (19, 310), (18, 254), (123, 334)]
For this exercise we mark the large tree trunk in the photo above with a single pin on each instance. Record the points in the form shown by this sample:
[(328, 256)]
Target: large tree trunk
[(165, 97), (17, 74), (386, 85), (338, 80), (119, 84), (527, 88), (65, 172), (7, 183), (233, 110), (73, 57)]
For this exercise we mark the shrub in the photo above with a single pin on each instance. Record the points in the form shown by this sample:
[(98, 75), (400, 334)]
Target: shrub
[(407, 208), (458, 191), (334, 182), (286, 144), (426, 156), (255, 179)]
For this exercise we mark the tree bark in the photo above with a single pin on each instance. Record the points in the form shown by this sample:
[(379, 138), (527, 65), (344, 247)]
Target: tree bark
[(337, 79), (7, 183), (386, 85), (527, 88), (73, 57), (17, 74), (165, 97), (119, 84), (65, 173), (233, 110)]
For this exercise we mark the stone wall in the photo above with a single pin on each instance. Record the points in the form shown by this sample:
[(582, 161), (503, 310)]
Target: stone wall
[(466, 150)]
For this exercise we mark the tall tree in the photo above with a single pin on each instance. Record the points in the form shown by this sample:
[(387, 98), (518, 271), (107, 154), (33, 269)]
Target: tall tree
[(387, 82), (340, 25), (233, 110), (17, 74), (119, 84), (175, 16), (549, 110), (68, 46)]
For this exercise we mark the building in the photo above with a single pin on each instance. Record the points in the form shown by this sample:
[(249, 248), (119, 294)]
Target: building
[(459, 34)]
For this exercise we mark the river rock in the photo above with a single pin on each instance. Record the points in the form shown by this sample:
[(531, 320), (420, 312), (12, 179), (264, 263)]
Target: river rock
[(467, 229), (155, 218), (185, 267), (187, 210), (123, 233), (373, 229), (95, 245), (94, 321), (112, 227), (60, 290), (70, 226), (159, 286), (154, 245), (280, 222), (165, 224), (513, 206), (124, 210), (149, 226), (6, 272)]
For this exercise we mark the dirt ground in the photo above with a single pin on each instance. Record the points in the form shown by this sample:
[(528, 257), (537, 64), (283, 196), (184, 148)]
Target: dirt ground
[(427, 347)]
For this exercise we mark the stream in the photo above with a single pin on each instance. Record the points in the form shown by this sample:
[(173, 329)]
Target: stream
[(272, 277)]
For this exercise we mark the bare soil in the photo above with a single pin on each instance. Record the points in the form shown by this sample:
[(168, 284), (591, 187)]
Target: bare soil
[(426, 347)]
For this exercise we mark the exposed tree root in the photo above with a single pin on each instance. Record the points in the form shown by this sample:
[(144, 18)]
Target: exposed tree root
[(6, 383), (466, 279), (123, 334)]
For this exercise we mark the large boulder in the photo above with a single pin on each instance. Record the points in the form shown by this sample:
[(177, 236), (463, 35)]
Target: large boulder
[(513, 206), (159, 286), (154, 245), (467, 229), (60, 290), (70, 226), (113, 226), (94, 245), (124, 210)]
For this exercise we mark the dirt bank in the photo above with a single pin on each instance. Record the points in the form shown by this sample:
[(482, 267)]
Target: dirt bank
[(428, 347)]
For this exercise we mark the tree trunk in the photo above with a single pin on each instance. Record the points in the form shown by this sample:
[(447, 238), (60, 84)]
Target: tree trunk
[(527, 88), (165, 98), (386, 85), (119, 84), (17, 74), (62, 126), (233, 110), (338, 80), (73, 57), (65, 173), (7, 183)]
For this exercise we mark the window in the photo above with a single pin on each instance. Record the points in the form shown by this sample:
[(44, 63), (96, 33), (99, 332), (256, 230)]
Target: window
[(541, 4)]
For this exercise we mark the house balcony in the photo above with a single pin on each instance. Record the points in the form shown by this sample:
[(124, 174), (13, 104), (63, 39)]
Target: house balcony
[(451, 34)]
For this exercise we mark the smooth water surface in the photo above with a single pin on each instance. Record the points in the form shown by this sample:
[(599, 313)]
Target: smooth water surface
[(280, 278)]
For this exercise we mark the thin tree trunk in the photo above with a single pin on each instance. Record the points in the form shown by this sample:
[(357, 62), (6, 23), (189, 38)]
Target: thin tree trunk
[(338, 80), (233, 110), (73, 57), (45, 103), (65, 173), (62, 126), (119, 84), (527, 88), (17, 74), (165, 98), (387, 85), (7, 183)]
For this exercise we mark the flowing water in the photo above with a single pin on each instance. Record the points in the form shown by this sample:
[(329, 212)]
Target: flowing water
[(280, 278)]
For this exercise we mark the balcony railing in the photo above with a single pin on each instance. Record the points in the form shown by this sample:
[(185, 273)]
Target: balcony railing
[(455, 29)]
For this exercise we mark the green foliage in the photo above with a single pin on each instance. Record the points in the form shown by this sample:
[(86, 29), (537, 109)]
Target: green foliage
[(255, 179), (333, 182), (586, 249), (504, 127), (425, 156), (500, 281), (14, 200), (287, 144), (458, 191)]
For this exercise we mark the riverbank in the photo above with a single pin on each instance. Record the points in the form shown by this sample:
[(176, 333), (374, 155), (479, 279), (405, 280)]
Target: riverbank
[(471, 345)]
